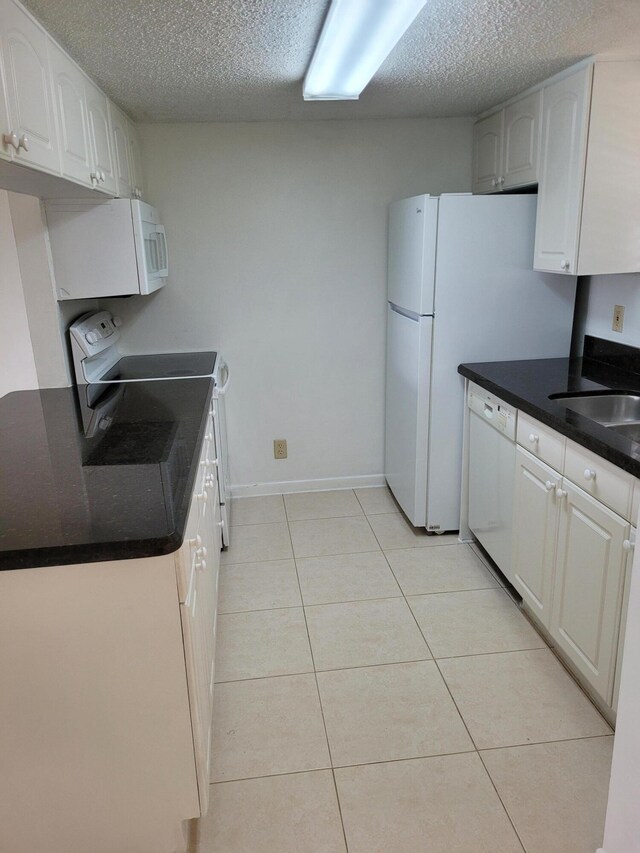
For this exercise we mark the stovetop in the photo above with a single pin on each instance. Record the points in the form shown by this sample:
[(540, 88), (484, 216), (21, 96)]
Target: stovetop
[(177, 365)]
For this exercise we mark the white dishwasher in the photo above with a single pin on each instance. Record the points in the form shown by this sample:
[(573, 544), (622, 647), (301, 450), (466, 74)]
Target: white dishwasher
[(492, 460)]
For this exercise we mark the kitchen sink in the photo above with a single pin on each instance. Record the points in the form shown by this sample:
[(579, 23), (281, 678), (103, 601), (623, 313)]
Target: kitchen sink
[(618, 411)]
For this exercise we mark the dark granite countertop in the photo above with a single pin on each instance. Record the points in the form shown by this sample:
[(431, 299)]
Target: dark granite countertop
[(99, 472), (527, 385)]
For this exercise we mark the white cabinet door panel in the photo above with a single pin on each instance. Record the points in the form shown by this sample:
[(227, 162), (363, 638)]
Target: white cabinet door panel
[(100, 134), (71, 109), (135, 161), (589, 583), (520, 142), (565, 114), (25, 59), (487, 152), (121, 155), (534, 533)]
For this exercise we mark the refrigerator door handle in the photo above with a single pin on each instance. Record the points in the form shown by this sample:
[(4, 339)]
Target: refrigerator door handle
[(410, 315)]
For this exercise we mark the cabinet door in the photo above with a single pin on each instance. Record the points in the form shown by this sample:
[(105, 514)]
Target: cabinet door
[(487, 153), (199, 626), (520, 142), (588, 586), (629, 548), (5, 150), (565, 115), (135, 161), (27, 75), (120, 136), (100, 135), (534, 533), (71, 110)]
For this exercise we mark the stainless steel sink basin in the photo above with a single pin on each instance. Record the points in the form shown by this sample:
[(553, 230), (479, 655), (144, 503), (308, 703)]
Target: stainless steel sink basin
[(620, 412)]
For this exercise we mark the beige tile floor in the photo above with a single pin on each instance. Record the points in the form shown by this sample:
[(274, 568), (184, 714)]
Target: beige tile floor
[(379, 690)]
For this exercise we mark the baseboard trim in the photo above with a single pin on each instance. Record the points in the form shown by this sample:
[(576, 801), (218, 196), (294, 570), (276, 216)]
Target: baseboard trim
[(288, 487)]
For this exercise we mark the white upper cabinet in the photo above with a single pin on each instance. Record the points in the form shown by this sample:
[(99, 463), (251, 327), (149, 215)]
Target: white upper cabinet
[(520, 142), (505, 147), (135, 161), (71, 108), (101, 140), (589, 197), (29, 135), (121, 154), (564, 141), (487, 153), (55, 119)]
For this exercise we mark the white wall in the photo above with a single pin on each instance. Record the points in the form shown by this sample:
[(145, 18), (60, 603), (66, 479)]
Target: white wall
[(596, 311), (48, 319), (17, 363), (277, 243)]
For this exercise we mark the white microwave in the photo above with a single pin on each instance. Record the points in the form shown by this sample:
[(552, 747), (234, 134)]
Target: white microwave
[(115, 247)]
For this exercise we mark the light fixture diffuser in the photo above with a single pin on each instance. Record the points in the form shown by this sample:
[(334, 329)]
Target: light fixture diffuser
[(356, 38)]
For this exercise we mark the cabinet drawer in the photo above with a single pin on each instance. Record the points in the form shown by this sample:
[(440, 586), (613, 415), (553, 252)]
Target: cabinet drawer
[(606, 482), (541, 440)]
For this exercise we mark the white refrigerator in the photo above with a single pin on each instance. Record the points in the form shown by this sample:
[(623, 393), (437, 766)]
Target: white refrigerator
[(461, 288)]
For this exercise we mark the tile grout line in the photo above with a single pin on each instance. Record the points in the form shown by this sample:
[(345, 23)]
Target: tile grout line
[(464, 723), (502, 803), (315, 676)]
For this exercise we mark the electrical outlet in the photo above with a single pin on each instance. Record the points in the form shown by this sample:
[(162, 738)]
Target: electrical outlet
[(280, 448), (618, 318)]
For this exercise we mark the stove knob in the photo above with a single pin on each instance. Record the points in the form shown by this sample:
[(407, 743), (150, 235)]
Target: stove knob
[(92, 337)]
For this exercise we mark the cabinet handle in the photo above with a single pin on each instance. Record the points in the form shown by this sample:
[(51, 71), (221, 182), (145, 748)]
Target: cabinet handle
[(628, 545), (589, 474), (201, 551), (501, 181), (24, 142), (11, 138), (95, 178), (533, 438), (565, 265), (561, 493), (221, 524), (549, 486)]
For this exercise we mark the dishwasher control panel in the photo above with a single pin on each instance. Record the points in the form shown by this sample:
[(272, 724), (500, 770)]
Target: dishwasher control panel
[(493, 410)]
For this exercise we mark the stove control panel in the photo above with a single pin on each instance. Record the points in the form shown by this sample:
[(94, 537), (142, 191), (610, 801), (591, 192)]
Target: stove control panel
[(93, 345), (95, 331)]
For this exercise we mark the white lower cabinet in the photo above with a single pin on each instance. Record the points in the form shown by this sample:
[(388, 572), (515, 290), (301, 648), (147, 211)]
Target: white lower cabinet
[(534, 532), (570, 555), (110, 693), (589, 580)]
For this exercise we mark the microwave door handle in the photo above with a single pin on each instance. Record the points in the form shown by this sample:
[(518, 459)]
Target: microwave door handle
[(162, 246)]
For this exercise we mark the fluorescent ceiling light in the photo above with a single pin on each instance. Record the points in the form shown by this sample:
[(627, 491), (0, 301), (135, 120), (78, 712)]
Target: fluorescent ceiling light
[(356, 38)]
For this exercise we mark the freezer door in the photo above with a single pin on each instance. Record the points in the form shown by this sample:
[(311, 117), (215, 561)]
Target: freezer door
[(413, 226), (407, 411)]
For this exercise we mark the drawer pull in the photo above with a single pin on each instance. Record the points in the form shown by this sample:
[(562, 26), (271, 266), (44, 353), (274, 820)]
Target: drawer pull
[(549, 486), (628, 545), (561, 493), (589, 474), (533, 438)]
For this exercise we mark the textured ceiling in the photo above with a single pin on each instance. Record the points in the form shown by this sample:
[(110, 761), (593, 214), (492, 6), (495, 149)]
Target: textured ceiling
[(244, 60)]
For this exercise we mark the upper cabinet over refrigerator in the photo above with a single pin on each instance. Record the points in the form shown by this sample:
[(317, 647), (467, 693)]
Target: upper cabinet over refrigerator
[(412, 253)]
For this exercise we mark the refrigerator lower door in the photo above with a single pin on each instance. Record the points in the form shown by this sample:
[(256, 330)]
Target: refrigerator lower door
[(407, 410)]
